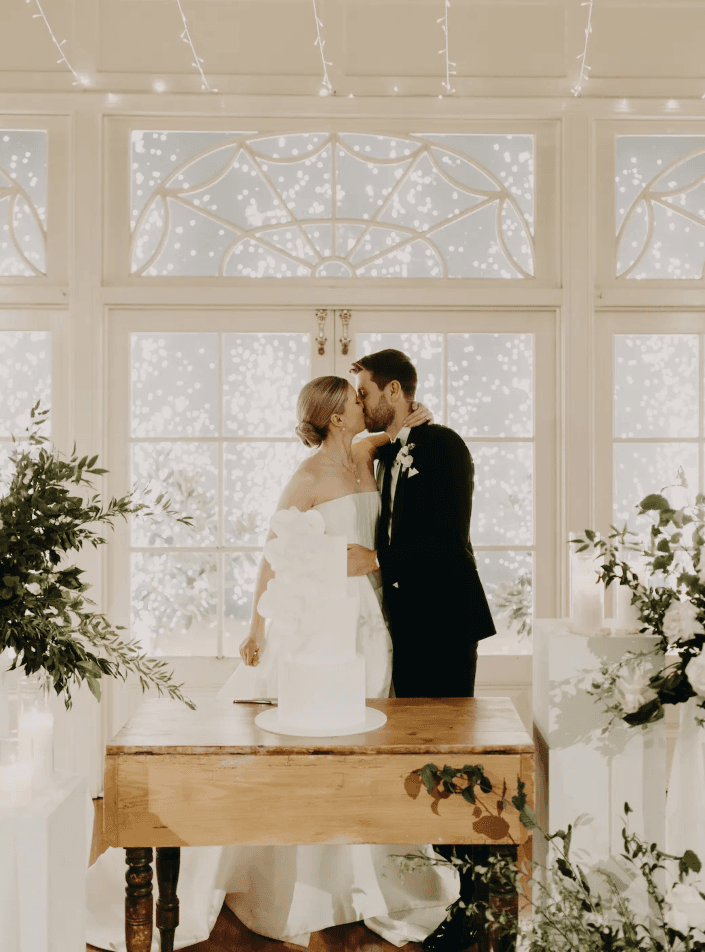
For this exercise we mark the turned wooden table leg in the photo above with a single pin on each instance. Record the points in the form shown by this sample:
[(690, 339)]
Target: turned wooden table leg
[(138, 899), (168, 860)]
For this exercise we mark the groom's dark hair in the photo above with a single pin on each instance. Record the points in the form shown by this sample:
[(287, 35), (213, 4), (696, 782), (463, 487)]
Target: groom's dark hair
[(388, 365)]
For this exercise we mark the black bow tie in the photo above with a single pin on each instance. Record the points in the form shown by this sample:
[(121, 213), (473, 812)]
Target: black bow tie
[(388, 452)]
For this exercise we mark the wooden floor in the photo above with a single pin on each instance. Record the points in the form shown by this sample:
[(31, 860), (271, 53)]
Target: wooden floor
[(229, 934)]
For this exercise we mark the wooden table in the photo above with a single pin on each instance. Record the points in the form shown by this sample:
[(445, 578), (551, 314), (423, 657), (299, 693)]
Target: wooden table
[(175, 777)]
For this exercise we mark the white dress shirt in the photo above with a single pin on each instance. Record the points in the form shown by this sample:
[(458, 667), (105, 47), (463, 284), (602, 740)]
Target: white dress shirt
[(401, 437)]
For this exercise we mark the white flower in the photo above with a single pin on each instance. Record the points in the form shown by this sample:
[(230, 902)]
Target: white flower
[(404, 456), (686, 908), (413, 472), (633, 689), (680, 621), (695, 673), (34, 588)]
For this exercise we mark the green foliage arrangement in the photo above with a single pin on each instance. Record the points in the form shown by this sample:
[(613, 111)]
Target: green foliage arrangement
[(644, 900), (673, 610), (45, 617), (514, 599)]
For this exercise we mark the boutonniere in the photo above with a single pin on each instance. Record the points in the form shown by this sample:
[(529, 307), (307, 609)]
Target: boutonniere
[(406, 459)]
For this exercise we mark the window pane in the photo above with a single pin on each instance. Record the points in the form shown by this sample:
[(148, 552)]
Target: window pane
[(263, 374), (174, 599), (502, 507), (25, 378), (643, 468), (23, 186), (490, 384), (655, 385), (238, 204), (187, 473), (507, 579), (426, 353), (660, 206), (240, 573), (174, 385), (254, 476)]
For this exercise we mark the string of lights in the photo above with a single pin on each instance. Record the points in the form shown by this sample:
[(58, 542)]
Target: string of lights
[(584, 68), (197, 61), (77, 80), (320, 43), (446, 51)]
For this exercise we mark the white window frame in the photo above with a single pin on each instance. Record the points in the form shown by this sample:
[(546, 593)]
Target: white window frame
[(57, 208), (117, 236)]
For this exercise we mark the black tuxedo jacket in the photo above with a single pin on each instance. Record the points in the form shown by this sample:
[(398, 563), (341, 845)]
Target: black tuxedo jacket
[(435, 603)]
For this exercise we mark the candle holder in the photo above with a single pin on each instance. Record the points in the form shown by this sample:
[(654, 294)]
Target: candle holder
[(35, 728), (587, 594)]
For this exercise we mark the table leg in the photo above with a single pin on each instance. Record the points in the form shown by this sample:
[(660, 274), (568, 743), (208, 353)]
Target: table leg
[(138, 899), (503, 898), (168, 860)]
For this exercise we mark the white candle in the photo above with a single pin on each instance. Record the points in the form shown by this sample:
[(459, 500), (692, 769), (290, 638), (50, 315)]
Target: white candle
[(36, 734), (15, 783), (587, 596), (626, 614)]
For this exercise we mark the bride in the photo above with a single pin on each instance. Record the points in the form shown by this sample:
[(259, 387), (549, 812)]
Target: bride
[(287, 892)]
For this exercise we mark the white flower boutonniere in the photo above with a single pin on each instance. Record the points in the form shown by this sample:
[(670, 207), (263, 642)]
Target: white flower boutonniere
[(406, 459)]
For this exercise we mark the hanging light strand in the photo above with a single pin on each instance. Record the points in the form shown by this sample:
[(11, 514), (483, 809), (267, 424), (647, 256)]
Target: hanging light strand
[(77, 80), (320, 43), (584, 68), (446, 51), (197, 61)]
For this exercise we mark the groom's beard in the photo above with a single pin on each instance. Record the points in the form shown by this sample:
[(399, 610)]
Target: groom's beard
[(377, 420)]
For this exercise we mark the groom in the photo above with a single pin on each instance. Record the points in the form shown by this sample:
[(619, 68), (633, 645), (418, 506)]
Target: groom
[(435, 603)]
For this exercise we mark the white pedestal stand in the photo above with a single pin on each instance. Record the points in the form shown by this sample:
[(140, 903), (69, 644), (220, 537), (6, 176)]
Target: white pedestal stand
[(43, 870), (578, 769)]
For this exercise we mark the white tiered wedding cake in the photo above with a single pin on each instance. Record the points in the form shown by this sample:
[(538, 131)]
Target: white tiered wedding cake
[(321, 677)]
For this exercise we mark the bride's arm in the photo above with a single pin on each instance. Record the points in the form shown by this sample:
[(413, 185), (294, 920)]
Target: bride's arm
[(299, 492)]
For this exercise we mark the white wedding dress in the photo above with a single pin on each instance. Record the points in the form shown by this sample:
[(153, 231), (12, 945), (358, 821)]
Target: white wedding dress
[(287, 892)]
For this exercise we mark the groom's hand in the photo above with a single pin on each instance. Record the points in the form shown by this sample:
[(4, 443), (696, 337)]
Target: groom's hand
[(361, 561)]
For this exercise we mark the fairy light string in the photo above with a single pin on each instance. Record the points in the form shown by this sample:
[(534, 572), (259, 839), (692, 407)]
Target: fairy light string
[(584, 68), (197, 60), (320, 43), (446, 51), (77, 80)]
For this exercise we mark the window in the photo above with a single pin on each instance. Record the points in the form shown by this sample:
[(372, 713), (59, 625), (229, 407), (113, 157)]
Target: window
[(658, 425), (23, 202), (234, 204), (25, 378), (212, 426), (660, 207)]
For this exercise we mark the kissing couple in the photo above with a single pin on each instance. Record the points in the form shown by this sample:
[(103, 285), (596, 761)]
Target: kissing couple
[(403, 498)]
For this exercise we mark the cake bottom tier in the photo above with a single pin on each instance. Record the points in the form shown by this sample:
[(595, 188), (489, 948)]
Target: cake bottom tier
[(321, 694)]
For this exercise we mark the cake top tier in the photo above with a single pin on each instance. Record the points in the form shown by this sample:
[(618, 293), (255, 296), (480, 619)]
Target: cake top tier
[(309, 566)]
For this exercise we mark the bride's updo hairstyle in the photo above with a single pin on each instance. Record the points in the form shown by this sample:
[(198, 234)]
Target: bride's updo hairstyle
[(318, 401)]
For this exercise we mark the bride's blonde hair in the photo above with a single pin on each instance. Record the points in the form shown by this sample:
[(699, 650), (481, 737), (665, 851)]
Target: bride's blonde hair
[(318, 401)]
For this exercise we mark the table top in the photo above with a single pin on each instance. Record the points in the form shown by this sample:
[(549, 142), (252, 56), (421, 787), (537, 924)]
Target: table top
[(480, 725)]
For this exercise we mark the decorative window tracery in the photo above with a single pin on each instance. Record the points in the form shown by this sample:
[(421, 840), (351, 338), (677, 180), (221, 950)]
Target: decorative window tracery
[(235, 204), (660, 207), (23, 189)]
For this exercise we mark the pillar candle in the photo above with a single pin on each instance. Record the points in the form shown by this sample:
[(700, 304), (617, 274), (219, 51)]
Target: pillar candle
[(36, 734)]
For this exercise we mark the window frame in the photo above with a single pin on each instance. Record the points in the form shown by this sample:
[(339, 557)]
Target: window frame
[(117, 150)]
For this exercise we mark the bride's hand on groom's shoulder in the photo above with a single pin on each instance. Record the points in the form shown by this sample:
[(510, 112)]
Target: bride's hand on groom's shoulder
[(419, 414), (251, 649), (361, 561)]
